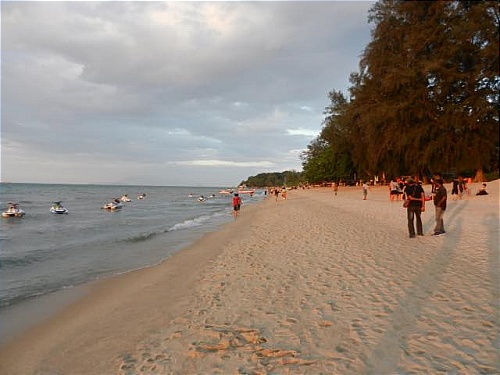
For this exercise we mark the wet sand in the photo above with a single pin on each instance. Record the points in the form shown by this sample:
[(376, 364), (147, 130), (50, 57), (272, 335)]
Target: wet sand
[(313, 284)]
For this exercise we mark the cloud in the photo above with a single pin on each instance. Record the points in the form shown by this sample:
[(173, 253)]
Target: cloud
[(305, 132), (219, 90), (225, 163)]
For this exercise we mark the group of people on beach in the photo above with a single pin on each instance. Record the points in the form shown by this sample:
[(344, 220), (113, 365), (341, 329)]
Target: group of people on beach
[(414, 196), (415, 199), (411, 191), (277, 192), (396, 187), (459, 187)]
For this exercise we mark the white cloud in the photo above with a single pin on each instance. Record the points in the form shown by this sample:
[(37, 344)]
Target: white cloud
[(304, 132)]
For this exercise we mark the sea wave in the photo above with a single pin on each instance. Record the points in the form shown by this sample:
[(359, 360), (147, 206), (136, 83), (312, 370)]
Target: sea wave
[(12, 297), (196, 222), (144, 236), (16, 261)]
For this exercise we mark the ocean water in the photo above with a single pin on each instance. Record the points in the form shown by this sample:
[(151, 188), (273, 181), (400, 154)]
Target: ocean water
[(43, 252)]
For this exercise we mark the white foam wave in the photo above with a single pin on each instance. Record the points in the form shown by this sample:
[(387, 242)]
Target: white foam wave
[(196, 222)]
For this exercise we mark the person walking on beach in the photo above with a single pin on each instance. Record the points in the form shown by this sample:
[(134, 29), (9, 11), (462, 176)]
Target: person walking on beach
[(236, 205), (415, 194), (454, 189), (335, 188), (393, 190), (276, 194), (283, 193), (440, 197), (461, 187), (365, 190)]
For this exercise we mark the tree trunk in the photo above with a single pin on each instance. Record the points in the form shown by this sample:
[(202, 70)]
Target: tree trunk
[(479, 177)]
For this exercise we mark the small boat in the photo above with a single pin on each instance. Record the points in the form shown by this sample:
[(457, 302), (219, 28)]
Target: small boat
[(113, 206), (58, 208), (201, 198), (13, 211), (125, 198), (142, 196)]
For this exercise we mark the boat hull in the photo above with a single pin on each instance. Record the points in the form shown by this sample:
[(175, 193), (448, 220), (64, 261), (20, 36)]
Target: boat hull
[(59, 211), (112, 207), (12, 214)]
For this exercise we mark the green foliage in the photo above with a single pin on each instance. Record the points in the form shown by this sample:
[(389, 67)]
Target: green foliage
[(425, 98), (286, 178), (328, 157), (490, 176)]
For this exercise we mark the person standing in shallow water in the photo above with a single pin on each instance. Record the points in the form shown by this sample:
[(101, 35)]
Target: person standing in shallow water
[(440, 197), (236, 205), (415, 194)]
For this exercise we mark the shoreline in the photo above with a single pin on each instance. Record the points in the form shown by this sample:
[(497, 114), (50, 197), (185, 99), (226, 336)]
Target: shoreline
[(312, 284), (21, 315), (92, 305), (19, 318)]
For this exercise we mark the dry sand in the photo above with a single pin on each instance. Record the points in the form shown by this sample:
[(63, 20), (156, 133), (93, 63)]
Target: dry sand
[(315, 284)]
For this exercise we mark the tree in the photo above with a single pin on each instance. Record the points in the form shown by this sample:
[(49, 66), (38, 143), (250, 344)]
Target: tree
[(316, 161), (430, 84), (425, 98), (290, 178), (337, 133)]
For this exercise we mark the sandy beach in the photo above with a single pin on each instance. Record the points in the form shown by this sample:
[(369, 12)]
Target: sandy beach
[(314, 284)]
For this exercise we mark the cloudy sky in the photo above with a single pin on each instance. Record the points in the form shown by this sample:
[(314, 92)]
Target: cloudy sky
[(169, 93)]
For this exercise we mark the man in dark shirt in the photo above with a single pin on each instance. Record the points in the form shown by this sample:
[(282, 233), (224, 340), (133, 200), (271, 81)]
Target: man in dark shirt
[(440, 197), (415, 194)]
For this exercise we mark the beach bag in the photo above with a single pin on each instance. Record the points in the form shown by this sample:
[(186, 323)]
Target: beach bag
[(406, 203)]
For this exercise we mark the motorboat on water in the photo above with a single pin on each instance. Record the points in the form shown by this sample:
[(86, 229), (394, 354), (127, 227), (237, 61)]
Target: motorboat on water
[(142, 196), (201, 198), (58, 208), (113, 206), (13, 211), (125, 198)]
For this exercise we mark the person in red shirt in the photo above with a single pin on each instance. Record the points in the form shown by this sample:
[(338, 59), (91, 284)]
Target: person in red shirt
[(236, 204)]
